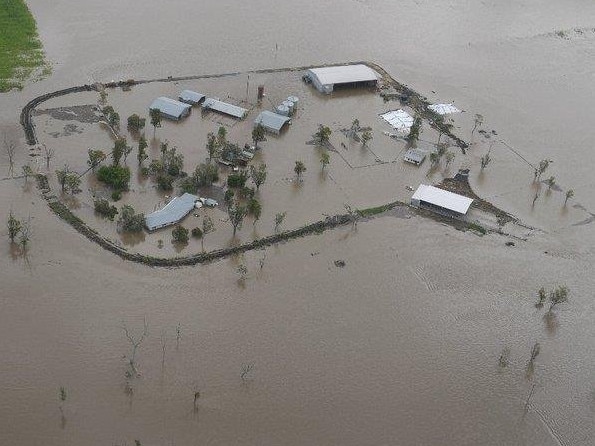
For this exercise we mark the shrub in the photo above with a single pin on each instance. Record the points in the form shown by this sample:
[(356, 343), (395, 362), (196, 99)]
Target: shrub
[(116, 195), (179, 234), (103, 207), (237, 179), (165, 182), (117, 177), (197, 233)]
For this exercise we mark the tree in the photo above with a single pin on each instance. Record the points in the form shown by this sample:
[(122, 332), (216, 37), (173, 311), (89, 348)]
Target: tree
[(103, 207), (24, 236), (10, 148), (434, 159), (478, 123), (557, 296), (569, 195), (73, 181), (205, 174), (135, 342), (221, 137), (117, 177), (27, 172), (207, 227), (136, 123), (179, 234), (541, 168), (130, 221), (551, 182), (323, 135), (228, 197), (258, 175), (95, 158), (118, 150), (366, 137), (102, 97), (142, 150), (354, 129), (542, 295), (258, 135), (61, 176), (325, 159), (236, 213), (155, 116), (279, 218), (450, 156), (299, 169), (415, 130), (114, 119), (254, 209), (14, 226), (354, 215), (485, 160), (212, 146), (48, 154)]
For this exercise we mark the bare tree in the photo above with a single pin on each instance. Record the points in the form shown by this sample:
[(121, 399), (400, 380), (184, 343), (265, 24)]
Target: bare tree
[(25, 234), (569, 195), (178, 335), (48, 154), (245, 371), (354, 215), (163, 348), (135, 342), (10, 148)]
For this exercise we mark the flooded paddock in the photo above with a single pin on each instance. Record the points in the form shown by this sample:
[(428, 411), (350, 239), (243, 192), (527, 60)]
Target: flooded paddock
[(401, 344)]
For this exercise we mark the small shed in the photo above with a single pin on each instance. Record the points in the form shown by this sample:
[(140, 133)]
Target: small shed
[(170, 108), (171, 213), (272, 122), (327, 79), (414, 156), (191, 97), (440, 201), (224, 107)]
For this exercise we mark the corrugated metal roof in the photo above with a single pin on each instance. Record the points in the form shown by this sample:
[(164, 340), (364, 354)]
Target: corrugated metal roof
[(191, 96), (224, 107), (271, 121), (399, 119), (343, 74), (415, 156), (169, 106), (171, 213), (442, 198)]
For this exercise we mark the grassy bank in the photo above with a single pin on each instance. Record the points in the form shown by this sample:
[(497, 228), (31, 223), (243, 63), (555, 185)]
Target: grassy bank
[(21, 52)]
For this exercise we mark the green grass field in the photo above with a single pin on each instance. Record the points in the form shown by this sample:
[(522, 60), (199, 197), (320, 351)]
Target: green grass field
[(21, 52)]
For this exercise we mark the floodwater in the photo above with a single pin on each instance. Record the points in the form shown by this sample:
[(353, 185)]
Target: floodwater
[(399, 346)]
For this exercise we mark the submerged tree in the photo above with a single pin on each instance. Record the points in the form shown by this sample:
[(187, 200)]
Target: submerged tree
[(325, 159), (254, 209), (13, 225), (323, 135), (10, 149), (212, 146), (279, 218), (258, 174), (415, 130), (236, 213), (155, 116), (299, 169), (258, 135), (136, 123), (541, 168), (142, 150), (48, 154), (551, 182), (207, 227), (477, 123), (557, 296), (179, 234), (485, 160), (130, 221), (366, 137), (95, 158), (569, 195), (135, 342)]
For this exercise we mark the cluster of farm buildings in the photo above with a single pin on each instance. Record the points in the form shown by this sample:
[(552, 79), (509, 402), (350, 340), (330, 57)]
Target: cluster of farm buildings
[(325, 80)]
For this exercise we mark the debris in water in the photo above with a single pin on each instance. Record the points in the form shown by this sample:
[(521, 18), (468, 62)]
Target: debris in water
[(509, 243), (339, 263)]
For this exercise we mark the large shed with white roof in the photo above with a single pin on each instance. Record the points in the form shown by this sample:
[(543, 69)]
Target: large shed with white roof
[(327, 79), (440, 200)]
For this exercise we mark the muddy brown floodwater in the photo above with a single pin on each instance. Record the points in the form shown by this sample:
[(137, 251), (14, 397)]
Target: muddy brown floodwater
[(398, 346)]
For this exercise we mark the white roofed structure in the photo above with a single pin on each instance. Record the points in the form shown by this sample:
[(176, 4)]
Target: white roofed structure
[(444, 109), (440, 200), (399, 119), (272, 122), (326, 79), (191, 97), (171, 213), (170, 108), (224, 107)]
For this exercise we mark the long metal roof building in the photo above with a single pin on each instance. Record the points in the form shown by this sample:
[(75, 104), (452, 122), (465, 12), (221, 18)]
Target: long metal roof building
[(170, 108), (325, 79), (440, 199), (273, 122), (191, 97), (224, 107), (171, 213)]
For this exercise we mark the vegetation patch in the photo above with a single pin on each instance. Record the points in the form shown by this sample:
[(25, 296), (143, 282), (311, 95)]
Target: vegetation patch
[(477, 228), (22, 52)]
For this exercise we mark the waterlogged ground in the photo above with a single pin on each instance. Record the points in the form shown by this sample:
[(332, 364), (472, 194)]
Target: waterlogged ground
[(399, 346)]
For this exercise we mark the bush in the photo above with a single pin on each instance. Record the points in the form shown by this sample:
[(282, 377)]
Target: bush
[(197, 233), (179, 234), (165, 182), (117, 177), (237, 179), (116, 195), (103, 207), (130, 221)]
